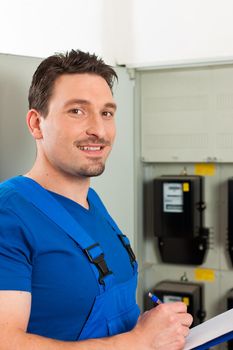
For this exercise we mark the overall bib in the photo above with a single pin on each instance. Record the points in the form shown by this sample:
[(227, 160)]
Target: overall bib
[(115, 309)]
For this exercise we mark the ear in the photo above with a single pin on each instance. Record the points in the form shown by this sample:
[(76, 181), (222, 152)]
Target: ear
[(33, 122)]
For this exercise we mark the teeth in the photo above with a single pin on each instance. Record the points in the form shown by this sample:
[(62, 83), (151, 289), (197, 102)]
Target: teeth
[(85, 148)]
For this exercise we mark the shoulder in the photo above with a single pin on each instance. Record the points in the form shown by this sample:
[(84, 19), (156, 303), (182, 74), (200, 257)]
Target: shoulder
[(9, 202), (14, 216), (7, 194), (12, 204)]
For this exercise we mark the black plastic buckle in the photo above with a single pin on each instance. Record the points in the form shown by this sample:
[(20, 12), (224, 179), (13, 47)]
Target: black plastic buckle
[(128, 248), (99, 262)]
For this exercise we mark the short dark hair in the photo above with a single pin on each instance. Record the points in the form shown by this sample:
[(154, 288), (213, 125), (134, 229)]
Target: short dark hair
[(51, 68)]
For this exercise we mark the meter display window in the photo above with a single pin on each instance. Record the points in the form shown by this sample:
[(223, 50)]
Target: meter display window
[(172, 197), (171, 298)]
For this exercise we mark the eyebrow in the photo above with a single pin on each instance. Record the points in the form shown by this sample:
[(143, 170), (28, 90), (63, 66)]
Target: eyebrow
[(86, 102)]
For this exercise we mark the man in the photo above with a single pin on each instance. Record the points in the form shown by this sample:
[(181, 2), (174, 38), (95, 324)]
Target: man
[(67, 273)]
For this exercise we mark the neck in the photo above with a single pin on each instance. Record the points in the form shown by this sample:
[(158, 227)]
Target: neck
[(72, 187)]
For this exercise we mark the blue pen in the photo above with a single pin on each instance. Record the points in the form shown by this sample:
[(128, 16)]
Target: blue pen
[(154, 298)]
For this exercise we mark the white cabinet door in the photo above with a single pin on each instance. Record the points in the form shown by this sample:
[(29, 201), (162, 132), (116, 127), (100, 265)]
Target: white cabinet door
[(187, 114)]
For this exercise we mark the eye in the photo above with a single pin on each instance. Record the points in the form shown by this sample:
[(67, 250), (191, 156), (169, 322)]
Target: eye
[(76, 111), (108, 114)]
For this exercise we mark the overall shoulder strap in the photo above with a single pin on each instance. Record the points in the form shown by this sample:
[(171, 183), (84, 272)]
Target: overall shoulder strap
[(95, 199), (47, 204)]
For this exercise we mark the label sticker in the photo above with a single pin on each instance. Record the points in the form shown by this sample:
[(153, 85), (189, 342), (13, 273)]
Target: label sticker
[(206, 275), (186, 301), (204, 169), (172, 198), (186, 187)]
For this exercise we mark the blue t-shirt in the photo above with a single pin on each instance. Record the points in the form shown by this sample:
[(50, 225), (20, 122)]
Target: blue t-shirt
[(37, 256)]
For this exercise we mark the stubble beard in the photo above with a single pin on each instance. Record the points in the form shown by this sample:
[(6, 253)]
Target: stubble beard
[(92, 170)]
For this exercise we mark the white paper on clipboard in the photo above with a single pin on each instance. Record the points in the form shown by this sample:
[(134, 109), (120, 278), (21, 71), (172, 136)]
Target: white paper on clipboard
[(208, 330)]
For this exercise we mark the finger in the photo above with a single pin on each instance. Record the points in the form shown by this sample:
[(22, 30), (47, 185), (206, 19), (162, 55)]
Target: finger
[(182, 330), (185, 319), (185, 331)]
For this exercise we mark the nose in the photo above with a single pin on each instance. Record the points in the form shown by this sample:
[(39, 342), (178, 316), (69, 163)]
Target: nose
[(96, 126)]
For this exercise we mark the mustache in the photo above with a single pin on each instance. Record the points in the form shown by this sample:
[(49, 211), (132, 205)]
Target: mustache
[(91, 140)]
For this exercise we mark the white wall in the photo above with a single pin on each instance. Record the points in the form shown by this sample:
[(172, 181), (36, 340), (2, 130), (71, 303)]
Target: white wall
[(174, 30), (42, 27), (137, 32)]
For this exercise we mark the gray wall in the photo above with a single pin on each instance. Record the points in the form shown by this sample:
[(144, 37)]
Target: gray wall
[(17, 149)]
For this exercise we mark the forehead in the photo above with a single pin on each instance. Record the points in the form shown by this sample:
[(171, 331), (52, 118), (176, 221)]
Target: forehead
[(81, 86)]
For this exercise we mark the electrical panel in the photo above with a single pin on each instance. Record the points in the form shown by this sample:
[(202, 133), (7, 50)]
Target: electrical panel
[(179, 219)]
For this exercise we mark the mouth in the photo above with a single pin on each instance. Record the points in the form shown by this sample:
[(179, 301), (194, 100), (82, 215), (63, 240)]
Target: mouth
[(91, 148), (92, 151)]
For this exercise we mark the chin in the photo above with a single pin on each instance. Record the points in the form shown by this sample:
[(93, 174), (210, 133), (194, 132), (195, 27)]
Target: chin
[(92, 171)]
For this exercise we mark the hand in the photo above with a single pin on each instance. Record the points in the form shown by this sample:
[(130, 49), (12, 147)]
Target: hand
[(163, 328)]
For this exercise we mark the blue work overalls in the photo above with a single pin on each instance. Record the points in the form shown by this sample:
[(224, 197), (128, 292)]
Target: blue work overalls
[(115, 309)]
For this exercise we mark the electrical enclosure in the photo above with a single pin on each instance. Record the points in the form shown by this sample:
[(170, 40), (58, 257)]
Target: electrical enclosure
[(178, 219)]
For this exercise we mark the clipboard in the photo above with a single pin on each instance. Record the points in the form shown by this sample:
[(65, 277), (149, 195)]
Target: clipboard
[(218, 329)]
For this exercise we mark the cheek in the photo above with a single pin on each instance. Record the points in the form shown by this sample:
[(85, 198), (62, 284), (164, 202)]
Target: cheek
[(113, 136), (55, 139), (112, 132)]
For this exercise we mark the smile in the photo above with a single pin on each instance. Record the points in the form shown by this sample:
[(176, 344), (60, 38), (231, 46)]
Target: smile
[(90, 148)]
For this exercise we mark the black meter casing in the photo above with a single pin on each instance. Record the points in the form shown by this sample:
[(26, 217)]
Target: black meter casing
[(192, 294), (179, 219)]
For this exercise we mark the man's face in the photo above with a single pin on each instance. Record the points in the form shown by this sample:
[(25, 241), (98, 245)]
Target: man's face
[(79, 129)]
